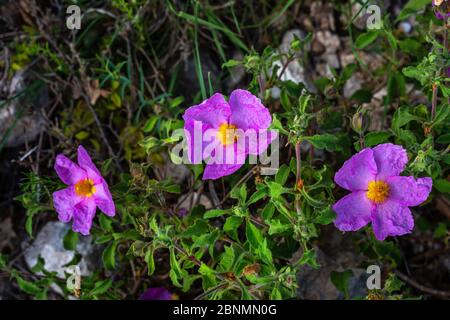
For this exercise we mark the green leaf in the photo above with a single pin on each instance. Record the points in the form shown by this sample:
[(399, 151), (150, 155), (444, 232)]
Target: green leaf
[(243, 192), (199, 227), (443, 139), (27, 286), (227, 258), (101, 287), (282, 174), (276, 226), (258, 195), (275, 189), (309, 257), (395, 86), (411, 8), (325, 141), (393, 284), (3, 261), (105, 222), (264, 253), (325, 216), (150, 261), (341, 280), (109, 256), (268, 211), (442, 185), (374, 138), (214, 213), (442, 114), (231, 225), (70, 240), (440, 231), (231, 63), (367, 38), (254, 235), (401, 117)]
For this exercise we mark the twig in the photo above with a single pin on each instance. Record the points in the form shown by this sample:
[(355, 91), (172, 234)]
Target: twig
[(298, 176), (213, 193), (415, 284)]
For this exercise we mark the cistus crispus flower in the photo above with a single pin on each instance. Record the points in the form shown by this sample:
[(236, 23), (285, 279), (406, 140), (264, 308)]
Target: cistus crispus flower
[(157, 293), (378, 193), (441, 9), (86, 191), (225, 126)]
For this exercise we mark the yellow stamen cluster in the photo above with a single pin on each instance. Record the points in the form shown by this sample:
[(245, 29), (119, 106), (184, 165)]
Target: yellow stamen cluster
[(227, 134), (377, 191), (85, 188)]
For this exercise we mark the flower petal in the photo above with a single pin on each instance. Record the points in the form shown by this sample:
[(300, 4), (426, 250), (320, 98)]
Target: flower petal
[(409, 191), (83, 215), (103, 199), (259, 143), (213, 112), (390, 159), (247, 111), (216, 171), (158, 293), (357, 172), (64, 202), (208, 115), (68, 171), (85, 162), (353, 211), (198, 135), (391, 219)]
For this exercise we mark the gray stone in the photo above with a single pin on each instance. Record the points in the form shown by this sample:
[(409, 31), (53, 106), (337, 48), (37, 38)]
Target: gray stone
[(49, 245)]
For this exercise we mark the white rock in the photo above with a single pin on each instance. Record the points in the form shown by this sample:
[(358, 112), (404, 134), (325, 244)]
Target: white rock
[(352, 85), (49, 245)]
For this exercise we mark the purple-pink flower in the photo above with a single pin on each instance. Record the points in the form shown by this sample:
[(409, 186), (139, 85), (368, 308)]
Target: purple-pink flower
[(437, 13), (86, 191), (157, 293), (378, 193), (224, 125)]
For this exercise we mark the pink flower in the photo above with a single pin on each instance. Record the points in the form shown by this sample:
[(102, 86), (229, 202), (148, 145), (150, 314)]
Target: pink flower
[(378, 194), (439, 15), (226, 126), (157, 293), (86, 191)]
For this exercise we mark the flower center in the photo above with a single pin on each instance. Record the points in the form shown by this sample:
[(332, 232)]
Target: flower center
[(227, 134), (377, 191), (85, 188)]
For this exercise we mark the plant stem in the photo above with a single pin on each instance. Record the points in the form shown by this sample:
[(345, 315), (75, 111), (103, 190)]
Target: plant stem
[(433, 101), (298, 176)]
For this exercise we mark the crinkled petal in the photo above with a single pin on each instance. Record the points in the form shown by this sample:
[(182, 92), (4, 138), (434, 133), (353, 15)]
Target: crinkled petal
[(391, 218), (83, 215), (213, 112), (68, 171), (203, 118), (358, 171), (64, 202), (198, 136), (353, 211), (247, 111), (390, 159), (263, 139), (409, 191), (103, 199), (85, 162), (216, 171)]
